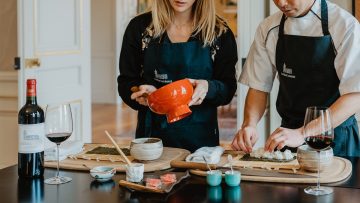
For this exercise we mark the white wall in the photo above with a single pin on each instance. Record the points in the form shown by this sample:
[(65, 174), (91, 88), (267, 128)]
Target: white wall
[(250, 14), (125, 10), (345, 4), (109, 20), (103, 51)]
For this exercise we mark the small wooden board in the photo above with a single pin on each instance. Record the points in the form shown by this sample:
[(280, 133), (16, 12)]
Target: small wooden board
[(162, 163), (339, 170), (165, 188)]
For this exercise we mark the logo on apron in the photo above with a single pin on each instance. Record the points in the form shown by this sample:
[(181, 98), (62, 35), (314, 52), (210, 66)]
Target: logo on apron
[(287, 72), (162, 78)]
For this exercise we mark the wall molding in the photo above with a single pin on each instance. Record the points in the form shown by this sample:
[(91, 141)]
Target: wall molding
[(6, 76)]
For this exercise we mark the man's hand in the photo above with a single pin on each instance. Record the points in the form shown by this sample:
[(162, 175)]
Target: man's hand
[(245, 138), (201, 88), (140, 94), (282, 137)]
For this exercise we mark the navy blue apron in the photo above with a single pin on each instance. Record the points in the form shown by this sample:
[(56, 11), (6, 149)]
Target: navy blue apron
[(307, 77), (166, 62)]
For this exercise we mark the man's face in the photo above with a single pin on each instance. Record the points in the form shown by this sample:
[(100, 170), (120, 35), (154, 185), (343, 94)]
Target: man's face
[(294, 8)]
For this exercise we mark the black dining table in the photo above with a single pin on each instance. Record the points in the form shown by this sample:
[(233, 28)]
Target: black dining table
[(83, 188)]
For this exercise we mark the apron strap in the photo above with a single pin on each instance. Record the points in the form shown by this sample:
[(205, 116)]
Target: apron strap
[(281, 26), (279, 60), (324, 18)]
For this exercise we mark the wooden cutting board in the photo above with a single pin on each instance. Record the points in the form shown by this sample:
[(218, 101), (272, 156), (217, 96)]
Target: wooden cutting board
[(162, 163), (339, 170)]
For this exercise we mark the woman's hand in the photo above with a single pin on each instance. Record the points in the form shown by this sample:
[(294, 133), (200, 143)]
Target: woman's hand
[(140, 94), (282, 137), (245, 138), (201, 88)]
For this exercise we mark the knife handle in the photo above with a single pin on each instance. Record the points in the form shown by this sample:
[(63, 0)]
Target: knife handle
[(191, 165)]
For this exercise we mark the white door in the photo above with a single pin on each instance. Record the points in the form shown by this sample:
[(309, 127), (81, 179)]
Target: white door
[(54, 46)]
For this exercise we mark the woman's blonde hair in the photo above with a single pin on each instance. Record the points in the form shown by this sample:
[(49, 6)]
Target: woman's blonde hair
[(206, 23)]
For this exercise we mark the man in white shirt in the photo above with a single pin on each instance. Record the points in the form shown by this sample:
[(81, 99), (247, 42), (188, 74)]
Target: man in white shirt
[(314, 46)]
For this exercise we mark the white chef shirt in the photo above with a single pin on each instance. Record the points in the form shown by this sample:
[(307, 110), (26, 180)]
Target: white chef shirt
[(260, 68)]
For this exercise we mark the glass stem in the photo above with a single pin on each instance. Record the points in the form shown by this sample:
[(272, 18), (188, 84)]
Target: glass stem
[(318, 175), (57, 171)]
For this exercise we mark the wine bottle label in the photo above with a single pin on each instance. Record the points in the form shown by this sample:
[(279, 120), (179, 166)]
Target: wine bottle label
[(31, 138)]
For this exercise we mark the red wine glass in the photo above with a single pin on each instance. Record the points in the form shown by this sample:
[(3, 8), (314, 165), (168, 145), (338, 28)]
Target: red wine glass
[(319, 135), (58, 128)]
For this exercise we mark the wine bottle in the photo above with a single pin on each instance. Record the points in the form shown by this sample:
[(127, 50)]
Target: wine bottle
[(31, 135), (30, 190)]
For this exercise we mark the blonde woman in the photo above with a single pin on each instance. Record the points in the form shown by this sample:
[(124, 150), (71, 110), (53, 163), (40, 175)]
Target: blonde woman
[(179, 39)]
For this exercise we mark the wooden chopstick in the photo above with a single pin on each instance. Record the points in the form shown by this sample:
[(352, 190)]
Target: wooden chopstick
[(118, 148)]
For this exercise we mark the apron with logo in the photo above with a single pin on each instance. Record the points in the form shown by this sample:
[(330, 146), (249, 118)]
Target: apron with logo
[(167, 62), (308, 78)]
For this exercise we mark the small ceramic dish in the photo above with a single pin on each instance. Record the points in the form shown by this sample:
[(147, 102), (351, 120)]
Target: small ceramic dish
[(134, 172), (102, 173), (146, 149)]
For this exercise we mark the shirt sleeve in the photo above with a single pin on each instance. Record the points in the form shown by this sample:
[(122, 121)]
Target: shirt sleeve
[(130, 63), (258, 72), (347, 61), (223, 85)]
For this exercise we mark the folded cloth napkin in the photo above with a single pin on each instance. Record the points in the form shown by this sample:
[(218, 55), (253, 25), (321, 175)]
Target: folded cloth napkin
[(65, 149), (211, 154)]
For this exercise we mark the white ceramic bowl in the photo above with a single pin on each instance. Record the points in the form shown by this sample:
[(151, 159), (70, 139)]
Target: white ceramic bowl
[(146, 149), (308, 158), (102, 173)]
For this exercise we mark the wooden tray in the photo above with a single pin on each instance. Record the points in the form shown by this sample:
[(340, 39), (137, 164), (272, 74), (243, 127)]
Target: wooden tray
[(339, 170), (164, 188), (162, 163)]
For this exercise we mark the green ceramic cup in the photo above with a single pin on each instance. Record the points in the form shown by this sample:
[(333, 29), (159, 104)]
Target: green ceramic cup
[(213, 178), (232, 178)]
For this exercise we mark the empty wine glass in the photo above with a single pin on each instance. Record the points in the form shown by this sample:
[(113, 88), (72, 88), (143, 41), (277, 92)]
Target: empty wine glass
[(58, 128), (319, 135)]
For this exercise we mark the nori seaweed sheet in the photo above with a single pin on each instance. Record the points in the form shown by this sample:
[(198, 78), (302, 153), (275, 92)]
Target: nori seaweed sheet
[(109, 151), (247, 157)]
